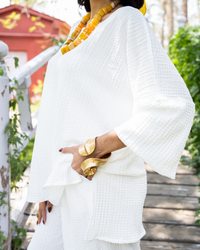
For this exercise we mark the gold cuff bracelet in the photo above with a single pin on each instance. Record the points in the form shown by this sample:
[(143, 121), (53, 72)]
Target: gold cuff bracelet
[(89, 166)]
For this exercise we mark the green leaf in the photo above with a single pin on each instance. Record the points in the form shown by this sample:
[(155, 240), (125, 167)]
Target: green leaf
[(20, 98), (1, 71), (16, 60)]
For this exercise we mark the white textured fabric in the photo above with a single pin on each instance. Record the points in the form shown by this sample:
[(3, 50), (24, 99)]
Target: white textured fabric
[(54, 235), (119, 79)]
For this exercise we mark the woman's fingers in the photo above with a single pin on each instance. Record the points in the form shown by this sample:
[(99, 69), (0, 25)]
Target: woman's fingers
[(39, 217), (82, 173), (44, 215), (49, 206), (42, 208), (67, 150), (77, 159), (42, 212), (78, 169), (90, 177)]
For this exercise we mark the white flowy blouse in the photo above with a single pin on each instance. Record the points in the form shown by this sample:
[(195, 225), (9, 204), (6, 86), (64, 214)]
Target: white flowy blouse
[(120, 79)]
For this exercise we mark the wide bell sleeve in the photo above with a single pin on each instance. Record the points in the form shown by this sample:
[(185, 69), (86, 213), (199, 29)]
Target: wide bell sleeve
[(163, 109)]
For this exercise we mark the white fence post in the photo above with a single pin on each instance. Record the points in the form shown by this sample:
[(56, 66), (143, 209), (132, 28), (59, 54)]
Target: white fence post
[(5, 224)]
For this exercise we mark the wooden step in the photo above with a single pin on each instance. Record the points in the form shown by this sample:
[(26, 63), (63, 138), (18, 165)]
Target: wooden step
[(167, 202), (170, 232), (173, 190), (161, 237), (29, 222), (163, 245), (181, 169), (169, 216), (32, 209), (181, 179)]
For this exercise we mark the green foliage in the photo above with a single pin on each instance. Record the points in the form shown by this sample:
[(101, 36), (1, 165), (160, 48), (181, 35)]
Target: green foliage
[(2, 239), (184, 51), (2, 202), (17, 164), (2, 196), (16, 61), (197, 215), (26, 154), (18, 235), (19, 161), (193, 144), (4, 193), (55, 41), (1, 71)]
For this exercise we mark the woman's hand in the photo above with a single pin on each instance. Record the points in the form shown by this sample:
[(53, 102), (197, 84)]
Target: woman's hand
[(104, 144), (42, 211), (78, 159)]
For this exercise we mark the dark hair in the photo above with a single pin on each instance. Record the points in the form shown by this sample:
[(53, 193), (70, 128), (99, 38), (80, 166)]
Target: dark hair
[(134, 3)]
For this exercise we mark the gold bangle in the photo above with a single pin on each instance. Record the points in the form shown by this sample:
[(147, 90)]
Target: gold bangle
[(87, 148), (89, 166)]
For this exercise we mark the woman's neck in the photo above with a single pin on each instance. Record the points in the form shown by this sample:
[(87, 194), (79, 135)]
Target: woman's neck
[(96, 5)]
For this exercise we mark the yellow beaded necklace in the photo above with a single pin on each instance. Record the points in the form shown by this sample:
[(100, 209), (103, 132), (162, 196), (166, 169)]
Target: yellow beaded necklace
[(77, 36)]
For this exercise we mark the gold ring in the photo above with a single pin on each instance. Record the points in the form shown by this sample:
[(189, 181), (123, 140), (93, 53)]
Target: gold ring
[(90, 171), (89, 166)]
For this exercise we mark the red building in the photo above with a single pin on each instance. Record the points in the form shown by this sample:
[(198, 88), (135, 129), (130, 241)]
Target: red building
[(27, 33)]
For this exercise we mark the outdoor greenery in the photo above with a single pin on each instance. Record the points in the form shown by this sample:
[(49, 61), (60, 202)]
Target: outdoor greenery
[(184, 51), (19, 161), (2, 202), (17, 237)]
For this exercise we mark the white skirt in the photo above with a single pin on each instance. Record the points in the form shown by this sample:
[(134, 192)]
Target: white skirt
[(74, 212)]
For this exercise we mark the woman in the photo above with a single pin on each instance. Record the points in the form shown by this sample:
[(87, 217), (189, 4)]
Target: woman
[(119, 88)]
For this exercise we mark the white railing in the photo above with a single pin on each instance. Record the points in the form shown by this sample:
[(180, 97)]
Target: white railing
[(28, 123), (23, 77)]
